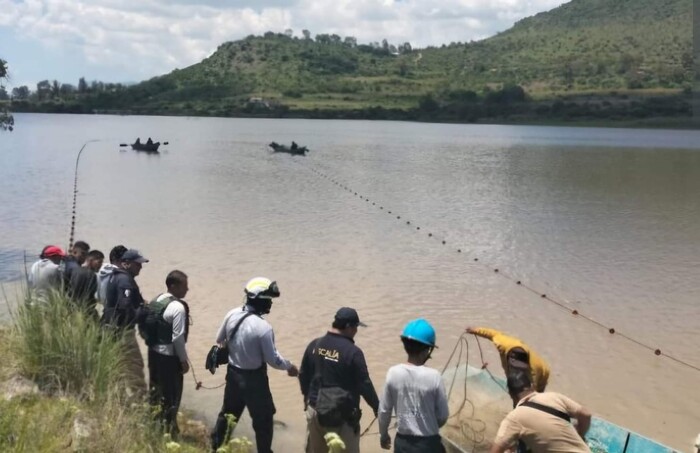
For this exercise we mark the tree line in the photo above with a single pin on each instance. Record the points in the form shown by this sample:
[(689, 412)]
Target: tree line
[(50, 90), (383, 47)]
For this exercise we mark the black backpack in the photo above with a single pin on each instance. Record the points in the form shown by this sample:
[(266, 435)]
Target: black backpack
[(334, 405), (149, 317)]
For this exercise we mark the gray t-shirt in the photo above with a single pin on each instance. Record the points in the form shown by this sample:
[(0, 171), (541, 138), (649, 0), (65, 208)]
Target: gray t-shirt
[(44, 276), (417, 394)]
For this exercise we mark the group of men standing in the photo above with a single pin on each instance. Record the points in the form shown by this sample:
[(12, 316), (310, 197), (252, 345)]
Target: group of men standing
[(333, 375), (83, 278)]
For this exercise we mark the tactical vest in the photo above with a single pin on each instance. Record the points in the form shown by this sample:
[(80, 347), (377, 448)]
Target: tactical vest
[(157, 330)]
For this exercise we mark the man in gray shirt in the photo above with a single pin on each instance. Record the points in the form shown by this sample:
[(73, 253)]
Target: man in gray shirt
[(45, 275), (416, 393), (251, 347)]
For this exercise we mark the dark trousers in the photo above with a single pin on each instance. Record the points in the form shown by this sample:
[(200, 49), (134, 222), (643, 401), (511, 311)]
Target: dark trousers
[(165, 387), (418, 444), (251, 389)]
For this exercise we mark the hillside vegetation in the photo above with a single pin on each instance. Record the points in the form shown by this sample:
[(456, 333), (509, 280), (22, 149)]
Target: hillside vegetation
[(584, 47)]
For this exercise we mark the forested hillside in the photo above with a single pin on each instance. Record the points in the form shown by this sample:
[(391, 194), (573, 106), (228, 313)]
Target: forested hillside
[(584, 47)]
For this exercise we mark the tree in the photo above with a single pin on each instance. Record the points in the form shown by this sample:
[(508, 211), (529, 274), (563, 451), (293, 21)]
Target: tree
[(67, 89), (20, 93), (82, 85), (393, 49), (43, 90), (385, 44), (6, 120), (289, 33), (323, 38), (335, 39), (3, 94), (407, 47), (350, 41), (55, 89), (307, 34)]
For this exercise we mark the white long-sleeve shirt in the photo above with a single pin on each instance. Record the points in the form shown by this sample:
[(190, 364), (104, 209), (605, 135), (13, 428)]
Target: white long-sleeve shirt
[(176, 315), (417, 393), (254, 342)]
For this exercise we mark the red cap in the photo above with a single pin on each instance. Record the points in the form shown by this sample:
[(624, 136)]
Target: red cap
[(53, 250)]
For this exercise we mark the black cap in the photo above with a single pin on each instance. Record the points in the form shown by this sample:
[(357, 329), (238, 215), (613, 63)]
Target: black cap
[(349, 317), (134, 255), (518, 380)]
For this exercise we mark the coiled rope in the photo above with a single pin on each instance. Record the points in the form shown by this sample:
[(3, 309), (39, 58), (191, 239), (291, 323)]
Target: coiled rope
[(323, 173)]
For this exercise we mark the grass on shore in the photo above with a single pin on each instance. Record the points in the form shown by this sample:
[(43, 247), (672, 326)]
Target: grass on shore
[(64, 387), (82, 402)]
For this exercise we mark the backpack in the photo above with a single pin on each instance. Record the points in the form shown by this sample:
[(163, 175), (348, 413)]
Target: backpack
[(149, 319), (334, 405)]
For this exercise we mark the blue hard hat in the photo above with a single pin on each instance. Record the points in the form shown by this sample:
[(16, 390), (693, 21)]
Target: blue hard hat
[(421, 331)]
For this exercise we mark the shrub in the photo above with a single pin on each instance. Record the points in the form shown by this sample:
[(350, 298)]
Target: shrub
[(65, 350)]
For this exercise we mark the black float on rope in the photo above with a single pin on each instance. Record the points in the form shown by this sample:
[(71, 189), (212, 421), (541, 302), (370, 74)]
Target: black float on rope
[(544, 296)]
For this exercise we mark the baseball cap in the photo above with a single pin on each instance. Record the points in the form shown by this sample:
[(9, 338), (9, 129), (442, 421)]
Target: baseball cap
[(52, 250), (348, 316), (134, 255), (518, 380)]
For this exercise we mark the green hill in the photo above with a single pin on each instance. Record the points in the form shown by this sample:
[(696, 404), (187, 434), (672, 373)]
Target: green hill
[(581, 47)]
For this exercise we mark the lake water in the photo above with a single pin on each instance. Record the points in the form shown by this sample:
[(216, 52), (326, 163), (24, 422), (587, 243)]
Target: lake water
[(606, 221)]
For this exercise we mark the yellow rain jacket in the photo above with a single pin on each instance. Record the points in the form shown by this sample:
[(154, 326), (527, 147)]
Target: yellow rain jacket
[(538, 367)]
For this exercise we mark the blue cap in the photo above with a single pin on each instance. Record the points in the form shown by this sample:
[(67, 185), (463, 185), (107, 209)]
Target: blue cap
[(134, 255)]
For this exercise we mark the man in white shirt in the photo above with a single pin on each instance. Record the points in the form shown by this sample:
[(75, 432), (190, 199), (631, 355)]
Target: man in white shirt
[(417, 394), (166, 337), (251, 347)]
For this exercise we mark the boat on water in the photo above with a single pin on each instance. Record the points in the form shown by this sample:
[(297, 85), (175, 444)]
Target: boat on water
[(294, 150), (602, 437), (146, 147)]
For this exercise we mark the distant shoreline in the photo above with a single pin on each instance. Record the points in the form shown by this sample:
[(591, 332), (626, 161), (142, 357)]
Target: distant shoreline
[(654, 122)]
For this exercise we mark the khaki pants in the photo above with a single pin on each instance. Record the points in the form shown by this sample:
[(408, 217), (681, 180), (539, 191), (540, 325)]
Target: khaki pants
[(315, 443)]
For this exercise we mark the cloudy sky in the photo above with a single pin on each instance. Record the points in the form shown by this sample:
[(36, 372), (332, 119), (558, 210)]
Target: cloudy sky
[(131, 40)]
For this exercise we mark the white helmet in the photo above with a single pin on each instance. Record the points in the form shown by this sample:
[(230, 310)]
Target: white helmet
[(261, 288)]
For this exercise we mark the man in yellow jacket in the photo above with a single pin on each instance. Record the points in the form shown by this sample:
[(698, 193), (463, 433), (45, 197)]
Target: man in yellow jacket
[(516, 354)]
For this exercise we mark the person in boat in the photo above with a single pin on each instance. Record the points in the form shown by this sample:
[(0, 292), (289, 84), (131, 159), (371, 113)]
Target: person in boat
[(416, 394), (149, 142), (541, 421), (138, 141), (516, 355), (294, 146)]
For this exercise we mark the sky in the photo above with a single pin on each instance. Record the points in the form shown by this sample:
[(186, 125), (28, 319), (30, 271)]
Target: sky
[(132, 40)]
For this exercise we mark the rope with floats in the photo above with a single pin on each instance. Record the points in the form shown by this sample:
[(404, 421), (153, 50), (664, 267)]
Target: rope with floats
[(75, 193), (75, 188), (321, 172)]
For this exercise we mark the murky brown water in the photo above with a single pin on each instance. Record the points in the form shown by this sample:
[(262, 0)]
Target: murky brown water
[(605, 220)]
